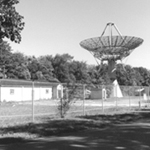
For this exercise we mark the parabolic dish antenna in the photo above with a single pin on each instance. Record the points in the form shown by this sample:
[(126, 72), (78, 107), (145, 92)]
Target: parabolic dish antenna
[(111, 47)]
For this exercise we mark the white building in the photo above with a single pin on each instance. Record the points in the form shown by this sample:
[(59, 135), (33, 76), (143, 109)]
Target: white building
[(22, 90)]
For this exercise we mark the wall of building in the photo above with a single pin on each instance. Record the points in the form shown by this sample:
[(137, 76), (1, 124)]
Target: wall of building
[(96, 94), (24, 93), (23, 90)]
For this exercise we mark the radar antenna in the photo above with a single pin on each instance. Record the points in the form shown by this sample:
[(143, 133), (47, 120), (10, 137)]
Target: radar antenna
[(112, 47)]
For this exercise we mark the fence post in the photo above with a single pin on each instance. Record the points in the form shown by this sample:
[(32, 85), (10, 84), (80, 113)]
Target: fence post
[(83, 99), (61, 100), (129, 97), (67, 93), (140, 99), (22, 93), (0, 94), (129, 102), (148, 94), (32, 101), (116, 96), (103, 98)]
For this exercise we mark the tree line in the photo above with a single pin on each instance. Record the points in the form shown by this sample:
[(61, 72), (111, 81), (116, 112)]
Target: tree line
[(63, 68)]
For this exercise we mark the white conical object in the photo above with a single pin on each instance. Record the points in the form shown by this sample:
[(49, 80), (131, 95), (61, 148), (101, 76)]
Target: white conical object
[(116, 89), (145, 96)]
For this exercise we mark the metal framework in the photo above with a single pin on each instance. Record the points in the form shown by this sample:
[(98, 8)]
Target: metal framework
[(106, 48)]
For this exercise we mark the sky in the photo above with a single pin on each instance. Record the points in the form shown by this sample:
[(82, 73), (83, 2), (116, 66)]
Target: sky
[(58, 26)]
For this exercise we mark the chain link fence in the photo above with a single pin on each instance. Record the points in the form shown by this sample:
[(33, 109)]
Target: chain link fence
[(76, 100), (108, 99)]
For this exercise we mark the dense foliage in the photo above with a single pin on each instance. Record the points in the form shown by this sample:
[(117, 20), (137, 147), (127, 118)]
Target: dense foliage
[(11, 22), (65, 69)]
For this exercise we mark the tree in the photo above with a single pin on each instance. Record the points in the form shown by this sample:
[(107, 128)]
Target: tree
[(17, 67), (93, 73), (121, 75), (99, 74), (60, 64), (103, 74), (46, 67), (126, 75), (34, 67), (138, 77), (11, 23), (40, 68), (78, 72), (5, 53), (144, 76)]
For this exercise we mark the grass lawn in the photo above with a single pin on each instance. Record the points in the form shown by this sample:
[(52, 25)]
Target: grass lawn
[(50, 106), (25, 108), (14, 113), (95, 132)]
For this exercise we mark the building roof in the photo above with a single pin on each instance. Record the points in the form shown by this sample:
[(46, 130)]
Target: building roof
[(16, 82)]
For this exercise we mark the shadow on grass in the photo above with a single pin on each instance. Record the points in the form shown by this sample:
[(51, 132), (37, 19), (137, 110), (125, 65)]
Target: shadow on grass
[(128, 131), (53, 127), (121, 118)]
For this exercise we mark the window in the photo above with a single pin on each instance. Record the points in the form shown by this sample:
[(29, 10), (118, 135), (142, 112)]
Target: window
[(47, 91), (12, 91)]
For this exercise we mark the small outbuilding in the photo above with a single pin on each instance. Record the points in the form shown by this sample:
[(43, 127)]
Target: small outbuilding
[(23, 90)]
